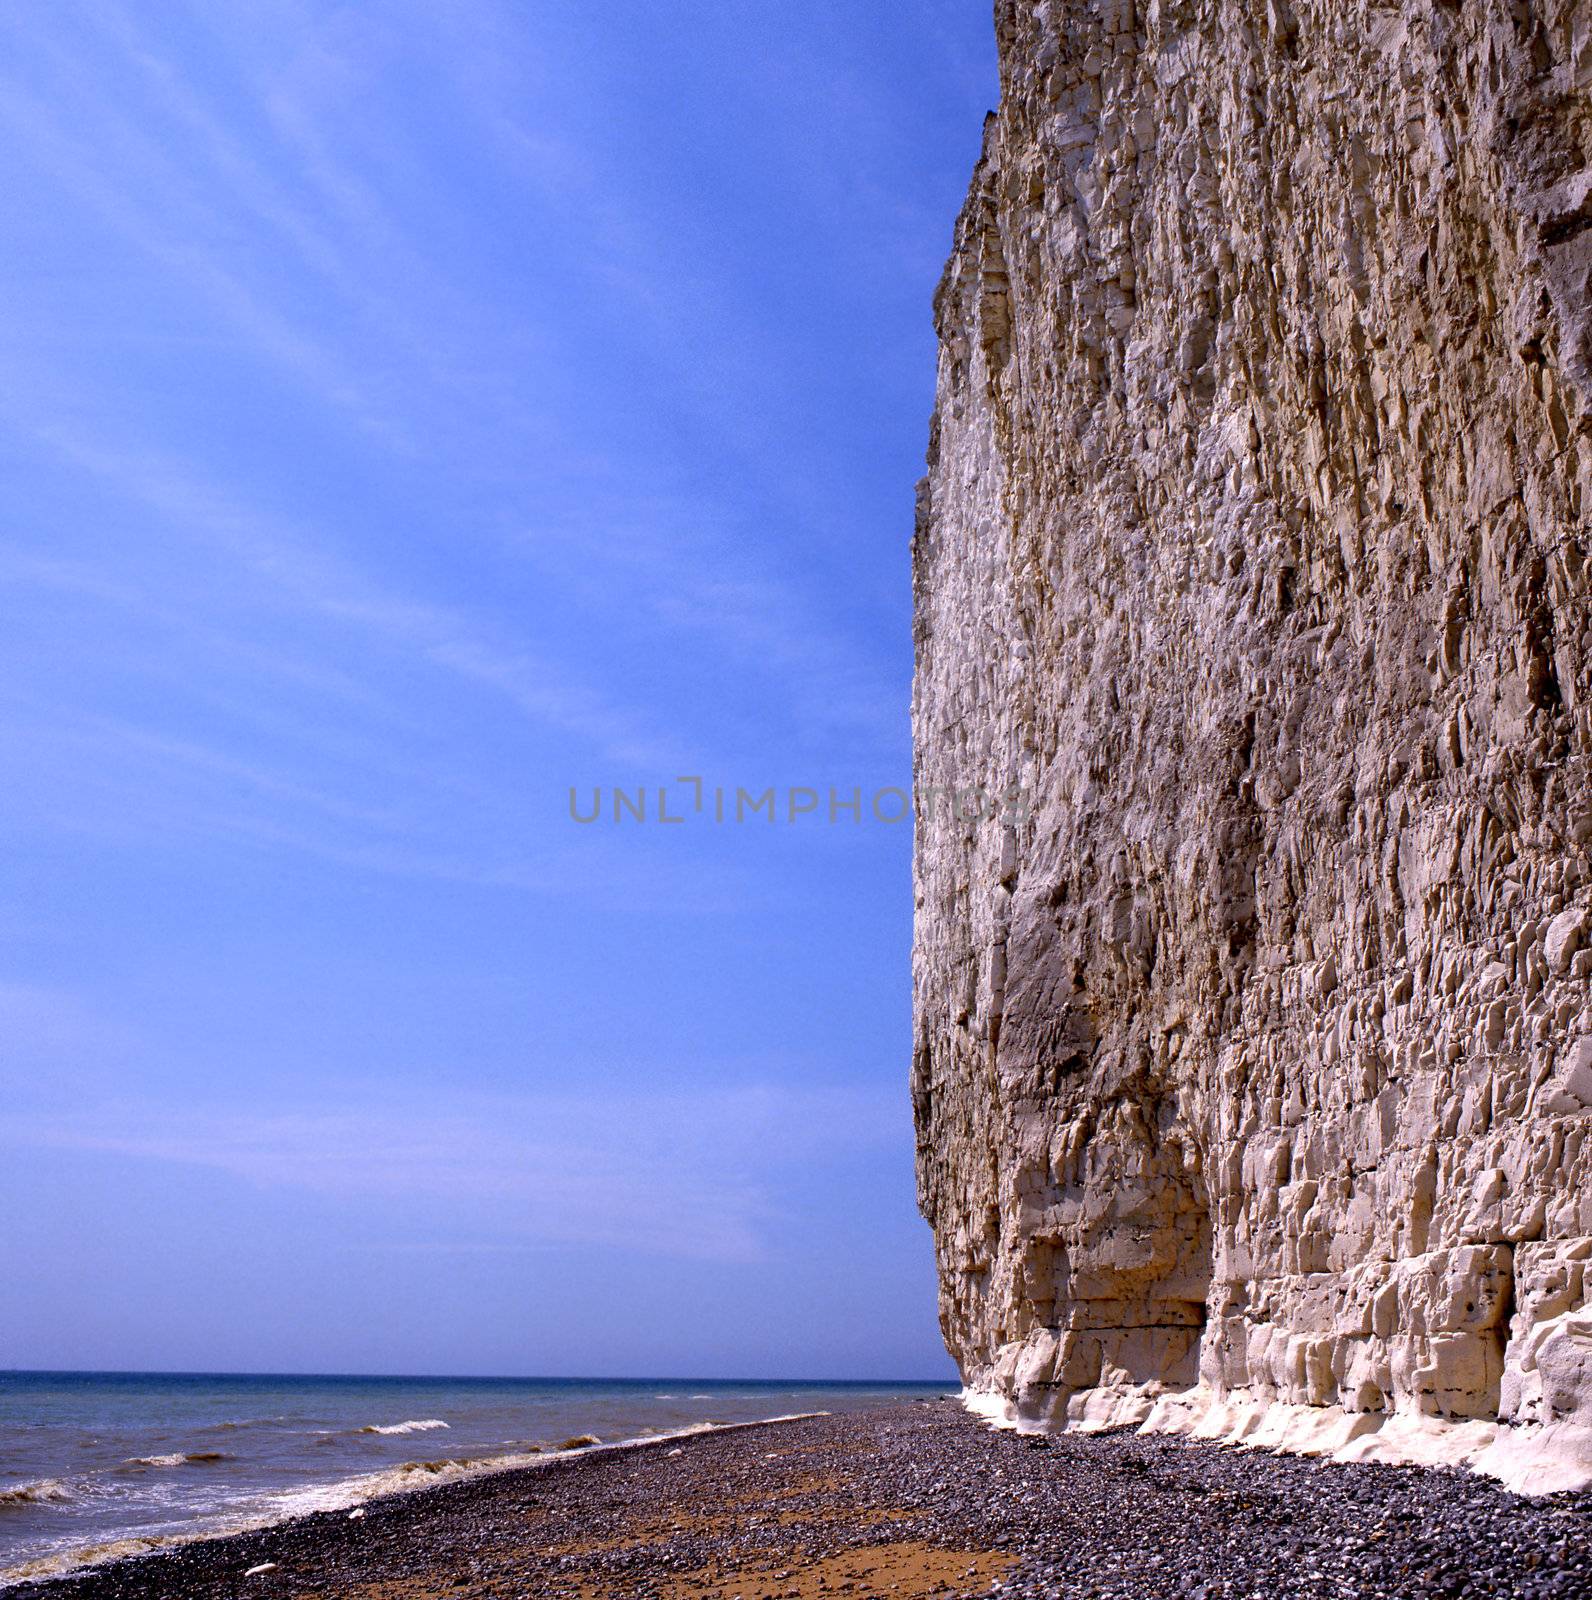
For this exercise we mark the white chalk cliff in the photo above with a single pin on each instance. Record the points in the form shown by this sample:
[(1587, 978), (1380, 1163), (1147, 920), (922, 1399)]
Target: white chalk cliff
[(1253, 1064)]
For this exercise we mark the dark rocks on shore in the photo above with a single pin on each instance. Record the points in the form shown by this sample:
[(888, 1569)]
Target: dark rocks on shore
[(913, 1501)]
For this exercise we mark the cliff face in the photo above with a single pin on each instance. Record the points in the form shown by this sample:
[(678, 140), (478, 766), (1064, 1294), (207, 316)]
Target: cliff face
[(1253, 1073)]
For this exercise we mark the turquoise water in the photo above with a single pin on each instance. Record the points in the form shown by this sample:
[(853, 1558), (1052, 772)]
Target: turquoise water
[(97, 1464)]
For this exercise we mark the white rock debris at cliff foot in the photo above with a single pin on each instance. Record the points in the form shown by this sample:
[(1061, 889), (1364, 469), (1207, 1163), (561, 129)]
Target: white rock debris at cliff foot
[(1253, 1065)]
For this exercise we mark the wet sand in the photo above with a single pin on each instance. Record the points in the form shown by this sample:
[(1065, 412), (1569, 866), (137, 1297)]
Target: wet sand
[(914, 1502)]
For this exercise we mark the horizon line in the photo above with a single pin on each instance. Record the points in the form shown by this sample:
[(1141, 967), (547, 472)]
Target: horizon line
[(456, 1377)]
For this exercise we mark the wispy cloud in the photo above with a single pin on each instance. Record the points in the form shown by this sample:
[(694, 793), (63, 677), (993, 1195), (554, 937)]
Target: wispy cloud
[(413, 411), (687, 1173), (48, 1029), (304, 570), (430, 378), (502, 538), (700, 582)]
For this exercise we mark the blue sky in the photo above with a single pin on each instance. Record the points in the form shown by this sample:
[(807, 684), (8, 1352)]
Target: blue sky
[(413, 412)]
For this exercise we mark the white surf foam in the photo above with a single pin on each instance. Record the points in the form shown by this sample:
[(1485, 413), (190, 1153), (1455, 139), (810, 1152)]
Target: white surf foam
[(40, 1492)]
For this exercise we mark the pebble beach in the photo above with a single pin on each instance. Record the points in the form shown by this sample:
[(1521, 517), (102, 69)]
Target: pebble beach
[(916, 1501)]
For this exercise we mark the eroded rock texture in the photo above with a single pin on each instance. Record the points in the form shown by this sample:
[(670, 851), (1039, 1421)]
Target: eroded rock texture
[(1255, 1059)]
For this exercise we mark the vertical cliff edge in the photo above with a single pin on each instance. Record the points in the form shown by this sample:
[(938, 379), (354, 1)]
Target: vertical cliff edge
[(1253, 725)]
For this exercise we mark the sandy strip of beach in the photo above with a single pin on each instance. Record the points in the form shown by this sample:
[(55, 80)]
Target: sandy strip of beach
[(913, 1502)]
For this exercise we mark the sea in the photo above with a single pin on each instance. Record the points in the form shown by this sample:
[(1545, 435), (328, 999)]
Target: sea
[(95, 1465)]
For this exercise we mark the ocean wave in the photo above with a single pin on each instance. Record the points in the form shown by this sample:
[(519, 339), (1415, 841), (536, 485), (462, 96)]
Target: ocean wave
[(41, 1492), (89, 1555), (410, 1475), (178, 1458), (347, 1492), (424, 1426)]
